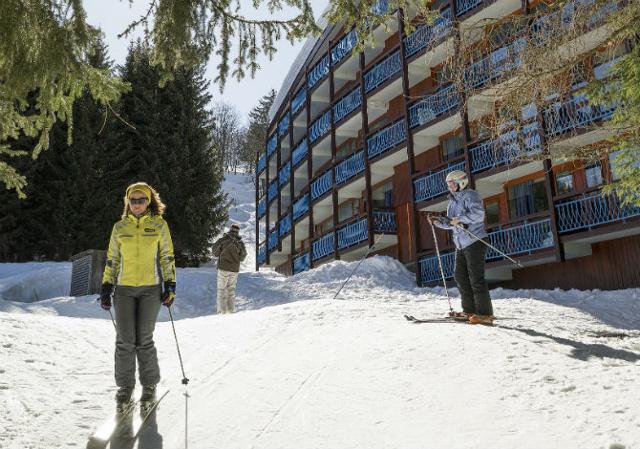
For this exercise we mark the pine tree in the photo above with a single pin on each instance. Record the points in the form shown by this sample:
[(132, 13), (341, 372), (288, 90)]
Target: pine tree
[(168, 143), (257, 131)]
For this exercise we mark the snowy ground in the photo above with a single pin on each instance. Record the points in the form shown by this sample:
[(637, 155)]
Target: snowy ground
[(296, 369)]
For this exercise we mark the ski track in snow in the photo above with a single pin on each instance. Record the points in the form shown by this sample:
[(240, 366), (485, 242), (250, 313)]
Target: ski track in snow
[(295, 369)]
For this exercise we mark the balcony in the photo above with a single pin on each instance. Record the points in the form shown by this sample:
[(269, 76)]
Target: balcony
[(301, 263), (430, 268), (272, 144), (427, 110), (494, 65), (300, 152), (322, 247), (433, 185), (284, 174), (262, 163), (384, 222), (262, 254), (285, 225), (347, 105), (574, 114), (386, 139), (299, 100), (350, 167), (504, 150), (283, 126), (301, 207), (319, 71), (272, 192), (322, 185), (353, 234), (591, 210), (522, 239), (344, 47), (273, 239), (320, 127), (426, 35), (382, 72), (262, 208), (464, 6)]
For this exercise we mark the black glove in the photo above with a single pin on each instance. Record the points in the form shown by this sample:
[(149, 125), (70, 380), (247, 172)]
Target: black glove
[(105, 295), (445, 221), (169, 294)]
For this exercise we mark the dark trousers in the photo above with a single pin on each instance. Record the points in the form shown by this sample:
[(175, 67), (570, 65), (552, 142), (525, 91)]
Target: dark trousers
[(136, 310), (469, 276)]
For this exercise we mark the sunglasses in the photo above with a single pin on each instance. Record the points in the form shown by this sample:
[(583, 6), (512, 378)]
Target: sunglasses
[(137, 201)]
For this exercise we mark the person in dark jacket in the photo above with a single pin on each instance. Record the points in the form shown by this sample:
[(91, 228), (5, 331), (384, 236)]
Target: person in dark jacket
[(465, 211), (230, 251)]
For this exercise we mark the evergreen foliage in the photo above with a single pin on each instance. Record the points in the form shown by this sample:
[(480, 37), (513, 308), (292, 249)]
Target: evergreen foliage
[(257, 130)]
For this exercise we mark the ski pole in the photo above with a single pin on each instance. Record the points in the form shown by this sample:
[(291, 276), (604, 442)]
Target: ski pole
[(354, 270), (518, 264), (444, 282), (185, 381)]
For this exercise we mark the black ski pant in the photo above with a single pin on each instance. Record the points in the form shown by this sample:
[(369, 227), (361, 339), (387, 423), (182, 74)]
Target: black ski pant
[(469, 276), (136, 310)]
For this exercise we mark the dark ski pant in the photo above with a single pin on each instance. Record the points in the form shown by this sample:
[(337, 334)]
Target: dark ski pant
[(136, 310), (469, 276)]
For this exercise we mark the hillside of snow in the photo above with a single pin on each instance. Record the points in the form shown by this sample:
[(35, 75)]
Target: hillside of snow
[(295, 368)]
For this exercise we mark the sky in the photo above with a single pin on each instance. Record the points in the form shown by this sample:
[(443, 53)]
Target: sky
[(114, 16)]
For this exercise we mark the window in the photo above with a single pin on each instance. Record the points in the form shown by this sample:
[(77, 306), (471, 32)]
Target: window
[(481, 130), (443, 76), (527, 198), (578, 76), (503, 34), (452, 147), (492, 213), (564, 182), (615, 166), (346, 150), (593, 174), (383, 197), (345, 211)]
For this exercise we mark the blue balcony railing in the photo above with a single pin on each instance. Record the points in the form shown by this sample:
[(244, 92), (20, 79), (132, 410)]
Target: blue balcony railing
[(522, 239), (590, 210), (284, 174), (427, 35), (353, 234), (430, 269), (273, 239), (319, 71), (272, 144), (433, 106), (382, 71), (262, 163), (575, 113), (322, 185), (504, 150), (464, 6), (385, 222), (320, 127), (322, 247), (262, 208), (347, 105), (285, 225), (386, 139), (283, 126), (301, 207), (299, 100), (344, 47), (272, 191), (262, 254), (380, 7), (300, 152), (301, 263), (350, 167), (433, 185), (500, 61)]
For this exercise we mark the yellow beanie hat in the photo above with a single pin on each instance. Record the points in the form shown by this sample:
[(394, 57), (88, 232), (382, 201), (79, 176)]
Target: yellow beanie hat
[(139, 187)]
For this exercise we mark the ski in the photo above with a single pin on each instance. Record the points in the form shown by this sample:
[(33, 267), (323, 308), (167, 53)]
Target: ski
[(100, 438), (445, 319), (136, 421)]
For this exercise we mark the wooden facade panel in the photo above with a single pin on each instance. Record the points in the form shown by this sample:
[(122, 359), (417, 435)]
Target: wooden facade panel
[(428, 159), (612, 265), (391, 251)]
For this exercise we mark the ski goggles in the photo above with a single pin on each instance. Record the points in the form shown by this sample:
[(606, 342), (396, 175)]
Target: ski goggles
[(137, 201)]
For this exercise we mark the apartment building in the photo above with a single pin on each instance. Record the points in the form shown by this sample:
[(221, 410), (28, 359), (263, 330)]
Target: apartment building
[(360, 144)]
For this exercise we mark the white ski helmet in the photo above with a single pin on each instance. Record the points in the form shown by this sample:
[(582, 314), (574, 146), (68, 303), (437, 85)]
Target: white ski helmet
[(459, 177)]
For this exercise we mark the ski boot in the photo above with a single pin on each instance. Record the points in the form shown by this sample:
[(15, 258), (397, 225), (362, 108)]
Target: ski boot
[(487, 320), (460, 316), (148, 393), (123, 399)]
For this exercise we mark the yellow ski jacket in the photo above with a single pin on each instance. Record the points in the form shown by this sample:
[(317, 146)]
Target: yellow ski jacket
[(140, 252)]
